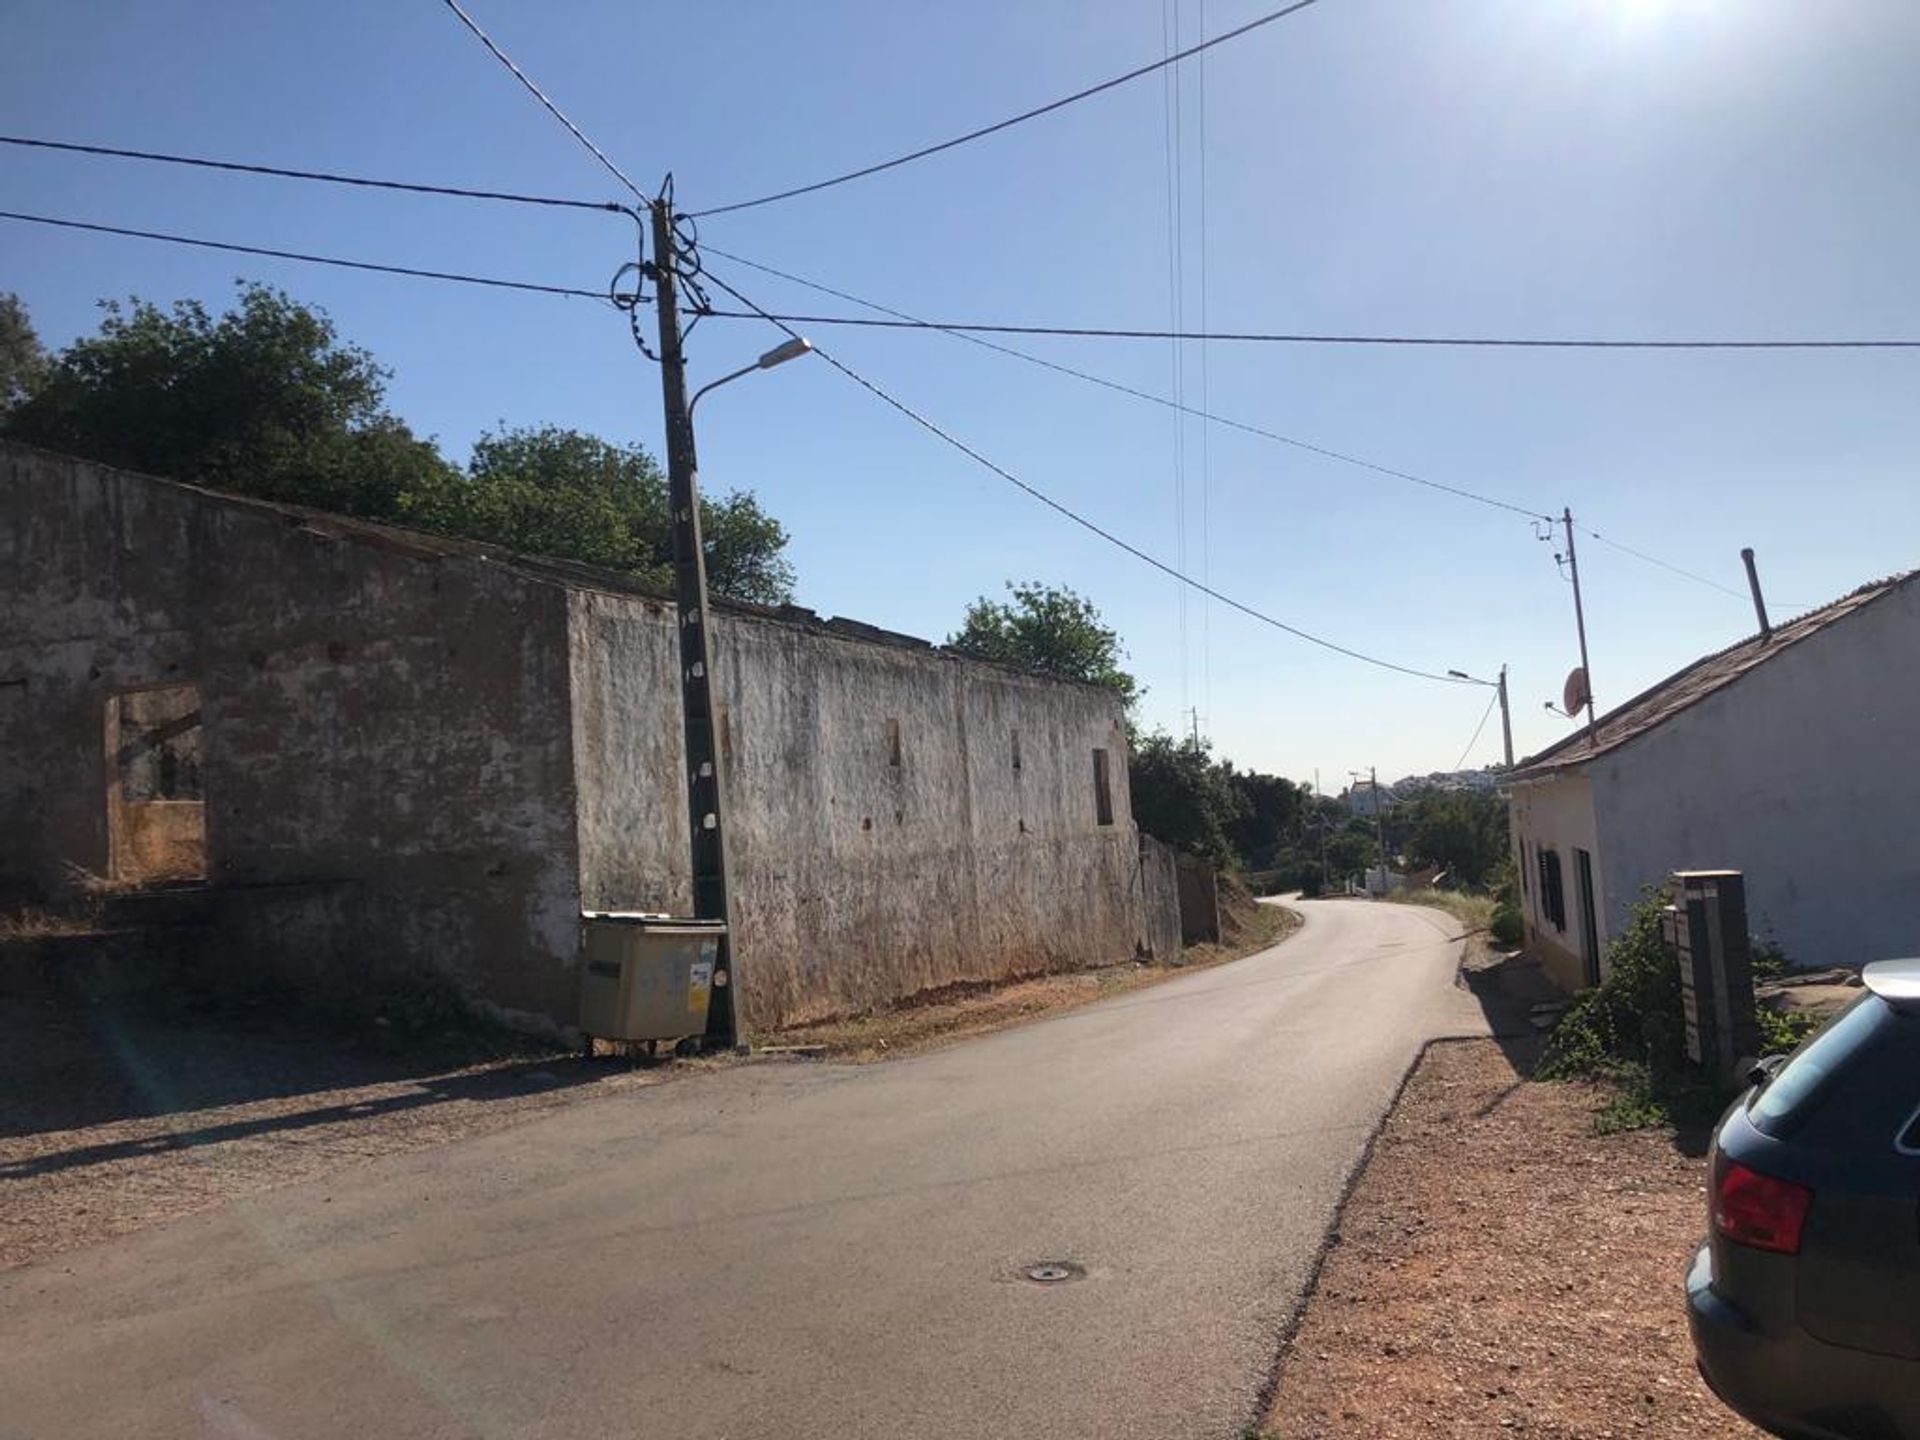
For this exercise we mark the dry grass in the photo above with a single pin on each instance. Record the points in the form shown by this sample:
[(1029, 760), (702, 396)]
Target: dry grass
[(1500, 1269), (957, 1012), (1475, 912)]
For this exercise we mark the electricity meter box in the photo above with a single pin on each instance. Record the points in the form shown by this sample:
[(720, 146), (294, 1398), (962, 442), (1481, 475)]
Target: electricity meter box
[(646, 977)]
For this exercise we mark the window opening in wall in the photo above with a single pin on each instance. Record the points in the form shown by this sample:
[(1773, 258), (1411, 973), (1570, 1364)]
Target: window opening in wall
[(1102, 789), (893, 743), (1553, 895), (1016, 749), (156, 796)]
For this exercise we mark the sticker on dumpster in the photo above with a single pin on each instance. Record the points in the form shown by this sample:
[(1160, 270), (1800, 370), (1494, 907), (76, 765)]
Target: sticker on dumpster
[(699, 979)]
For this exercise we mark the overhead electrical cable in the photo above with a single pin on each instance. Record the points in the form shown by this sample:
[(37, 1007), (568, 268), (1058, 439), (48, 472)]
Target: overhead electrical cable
[(1095, 332), (1206, 432), (1176, 319), (410, 271), (1045, 499), (1476, 733), (325, 176), (985, 130), (1106, 384), (551, 108)]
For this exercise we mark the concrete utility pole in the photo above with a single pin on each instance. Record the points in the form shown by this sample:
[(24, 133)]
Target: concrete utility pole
[(1579, 616), (1506, 719), (1379, 824), (1506, 715), (704, 800)]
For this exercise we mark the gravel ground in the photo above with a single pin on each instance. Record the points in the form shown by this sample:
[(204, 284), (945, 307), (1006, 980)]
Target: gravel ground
[(111, 1122), (1500, 1269)]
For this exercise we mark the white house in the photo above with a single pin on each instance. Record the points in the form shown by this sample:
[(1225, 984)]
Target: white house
[(1791, 756)]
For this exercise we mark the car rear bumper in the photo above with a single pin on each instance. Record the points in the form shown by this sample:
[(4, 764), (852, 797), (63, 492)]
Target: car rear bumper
[(1796, 1385)]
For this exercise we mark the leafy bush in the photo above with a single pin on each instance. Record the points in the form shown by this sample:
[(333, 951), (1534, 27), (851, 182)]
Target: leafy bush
[(1506, 928), (1633, 1017)]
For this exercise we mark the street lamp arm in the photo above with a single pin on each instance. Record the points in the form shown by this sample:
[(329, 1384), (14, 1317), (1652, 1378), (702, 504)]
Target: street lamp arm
[(716, 384)]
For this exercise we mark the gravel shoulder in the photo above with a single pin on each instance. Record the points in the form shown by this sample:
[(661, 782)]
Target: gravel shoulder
[(1501, 1269)]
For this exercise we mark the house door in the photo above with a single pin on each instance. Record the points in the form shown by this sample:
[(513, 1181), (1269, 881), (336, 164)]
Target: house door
[(1589, 929)]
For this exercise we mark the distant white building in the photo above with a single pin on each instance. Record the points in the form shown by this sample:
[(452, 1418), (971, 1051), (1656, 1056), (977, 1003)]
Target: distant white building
[(1790, 756)]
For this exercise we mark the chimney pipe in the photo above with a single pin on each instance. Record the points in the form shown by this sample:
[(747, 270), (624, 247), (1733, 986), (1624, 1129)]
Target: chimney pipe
[(1759, 600)]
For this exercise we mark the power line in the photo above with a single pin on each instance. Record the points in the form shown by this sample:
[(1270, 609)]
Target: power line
[(1176, 317), (327, 176), (551, 108), (1011, 121), (334, 260), (1045, 499), (1675, 569), (1138, 394), (1308, 338), (1476, 732)]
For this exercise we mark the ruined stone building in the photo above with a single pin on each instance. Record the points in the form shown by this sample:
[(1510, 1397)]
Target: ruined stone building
[(399, 760)]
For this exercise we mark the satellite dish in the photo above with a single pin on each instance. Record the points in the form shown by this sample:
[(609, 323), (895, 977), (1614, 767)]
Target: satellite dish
[(1573, 695)]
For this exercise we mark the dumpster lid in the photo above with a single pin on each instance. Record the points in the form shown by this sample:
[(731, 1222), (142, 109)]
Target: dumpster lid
[(652, 920)]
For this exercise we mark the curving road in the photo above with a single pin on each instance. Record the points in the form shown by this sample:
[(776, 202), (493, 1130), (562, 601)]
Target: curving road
[(793, 1250)]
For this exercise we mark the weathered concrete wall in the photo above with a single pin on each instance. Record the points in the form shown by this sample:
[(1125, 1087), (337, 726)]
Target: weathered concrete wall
[(1801, 775), (1199, 901), (1160, 889), (373, 712), (883, 839)]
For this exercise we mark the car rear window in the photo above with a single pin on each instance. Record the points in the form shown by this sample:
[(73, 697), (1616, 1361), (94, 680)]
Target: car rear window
[(1792, 1094)]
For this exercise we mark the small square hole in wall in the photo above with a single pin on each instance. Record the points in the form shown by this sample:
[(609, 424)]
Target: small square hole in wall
[(724, 713), (1016, 749), (893, 743)]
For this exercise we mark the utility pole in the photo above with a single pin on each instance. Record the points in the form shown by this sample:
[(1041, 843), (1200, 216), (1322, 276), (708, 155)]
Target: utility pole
[(1379, 824), (1195, 713), (704, 809), (1579, 616), (1506, 718), (1326, 877)]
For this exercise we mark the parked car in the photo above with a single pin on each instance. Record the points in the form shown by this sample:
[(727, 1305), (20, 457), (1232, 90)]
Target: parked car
[(1805, 1299)]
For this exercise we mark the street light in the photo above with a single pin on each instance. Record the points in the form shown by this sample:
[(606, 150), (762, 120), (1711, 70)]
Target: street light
[(779, 355), (1506, 719)]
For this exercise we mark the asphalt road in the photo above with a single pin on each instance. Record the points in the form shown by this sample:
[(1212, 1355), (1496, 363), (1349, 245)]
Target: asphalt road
[(792, 1250)]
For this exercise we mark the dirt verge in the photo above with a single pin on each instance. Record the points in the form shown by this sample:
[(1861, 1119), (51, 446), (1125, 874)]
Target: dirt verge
[(939, 1019), (1501, 1269)]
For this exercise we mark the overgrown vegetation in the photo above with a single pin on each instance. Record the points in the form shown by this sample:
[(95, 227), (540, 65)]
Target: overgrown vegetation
[(1630, 1030), (267, 400)]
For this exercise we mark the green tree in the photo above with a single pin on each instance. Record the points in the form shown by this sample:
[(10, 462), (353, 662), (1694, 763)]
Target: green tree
[(1462, 831), (554, 491), (1048, 629), (1183, 796), (1272, 814), (22, 360), (263, 401)]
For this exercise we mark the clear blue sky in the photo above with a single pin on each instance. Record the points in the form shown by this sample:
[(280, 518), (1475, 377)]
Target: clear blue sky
[(1527, 167)]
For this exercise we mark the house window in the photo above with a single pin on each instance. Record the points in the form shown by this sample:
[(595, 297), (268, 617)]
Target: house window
[(1016, 749), (156, 799), (893, 743), (1102, 789), (1553, 894)]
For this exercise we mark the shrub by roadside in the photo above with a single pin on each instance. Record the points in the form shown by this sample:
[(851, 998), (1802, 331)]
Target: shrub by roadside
[(1630, 1029)]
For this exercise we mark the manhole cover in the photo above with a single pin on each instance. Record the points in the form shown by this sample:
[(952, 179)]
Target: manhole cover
[(1051, 1272)]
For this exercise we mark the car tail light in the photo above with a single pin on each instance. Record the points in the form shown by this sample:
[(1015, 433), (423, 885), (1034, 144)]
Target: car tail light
[(1754, 1209)]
